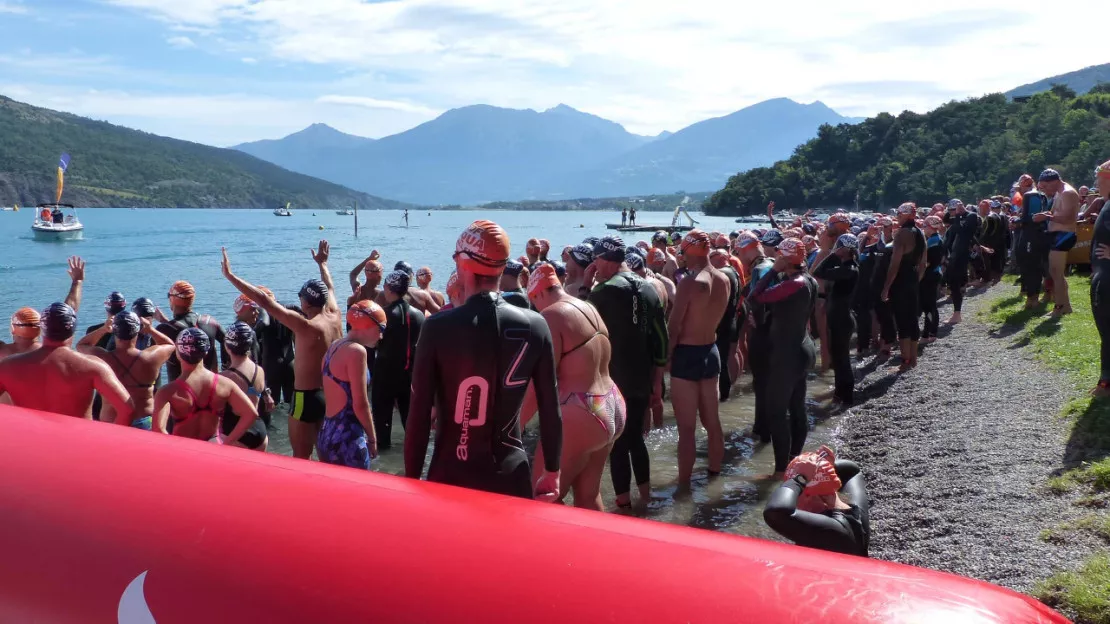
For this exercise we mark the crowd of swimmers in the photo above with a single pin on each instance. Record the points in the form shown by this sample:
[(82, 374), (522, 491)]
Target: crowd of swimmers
[(580, 343)]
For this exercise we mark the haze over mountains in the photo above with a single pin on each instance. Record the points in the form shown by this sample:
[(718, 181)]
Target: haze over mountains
[(484, 153)]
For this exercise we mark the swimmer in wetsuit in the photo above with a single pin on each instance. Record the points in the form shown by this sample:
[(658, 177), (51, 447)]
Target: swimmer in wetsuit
[(699, 307), (789, 294), (138, 369), (1100, 279), (348, 436), (822, 504), (728, 329), (511, 290), (393, 362), (752, 255), (862, 304), (181, 296), (883, 251), (841, 271), (251, 379), (475, 363), (313, 332), (593, 409), (930, 282), (963, 240), (1061, 220), (902, 283), (665, 290), (196, 399)]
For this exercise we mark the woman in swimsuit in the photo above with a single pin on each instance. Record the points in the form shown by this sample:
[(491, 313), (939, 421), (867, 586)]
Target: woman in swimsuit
[(250, 378), (347, 437), (197, 398), (137, 370), (592, 406)]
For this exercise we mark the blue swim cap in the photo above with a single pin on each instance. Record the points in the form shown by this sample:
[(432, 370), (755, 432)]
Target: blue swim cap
[(582, 255), (115, 303), (403, 266), (239, 338), (635, 261), (638, 251), (143, 307), (192, 345), (398, 282), (315, 292), (513, 268), (126, 325), (847, 241), (610, 248), (772, 238), (58, 322)]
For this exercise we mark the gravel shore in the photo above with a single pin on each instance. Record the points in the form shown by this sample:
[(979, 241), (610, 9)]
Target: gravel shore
[(956, 454)]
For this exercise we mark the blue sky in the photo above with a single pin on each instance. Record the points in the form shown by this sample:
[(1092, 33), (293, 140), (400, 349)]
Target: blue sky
[(226, 71)]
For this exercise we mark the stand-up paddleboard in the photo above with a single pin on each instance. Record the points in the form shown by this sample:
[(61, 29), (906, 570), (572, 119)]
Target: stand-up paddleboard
[(103, 523)]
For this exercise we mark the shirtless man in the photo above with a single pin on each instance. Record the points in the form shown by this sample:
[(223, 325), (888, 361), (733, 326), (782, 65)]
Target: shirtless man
[(424, 283), (1061, 232), (25, 333), (417, 298), (532, 250), (138, 370), (659, 241), (368, 291), (695, 362), (656, 261), (313, 333), (55, 378), (580, 257)]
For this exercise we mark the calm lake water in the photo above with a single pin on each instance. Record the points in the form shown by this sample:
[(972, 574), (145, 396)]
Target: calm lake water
[(142, 252)]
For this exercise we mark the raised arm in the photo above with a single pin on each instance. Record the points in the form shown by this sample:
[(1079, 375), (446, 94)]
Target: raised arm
[(243, 407), (355, 272), (320, 256), (77, 275), (283, 315), (87, 343), (424, 384)]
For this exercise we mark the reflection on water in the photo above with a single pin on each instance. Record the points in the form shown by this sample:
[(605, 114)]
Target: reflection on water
[(732, 502)]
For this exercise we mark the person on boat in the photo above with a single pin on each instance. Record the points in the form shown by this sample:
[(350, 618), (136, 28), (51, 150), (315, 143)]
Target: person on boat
[(511, 290), (789, 293), (424, 283), (349, 436), (181, 296), (55, 378), (1100, 280), (901, 284), (138, 369), (251, 379), (198, 397), (476, 362), (699, 308), (624, 217), (634, 316), (57, 215), (728, 330), (374, 273), (592, 407), (314, 330), (1061, 219), (393, 363), (822, 503), (841, 271), (581, 257)]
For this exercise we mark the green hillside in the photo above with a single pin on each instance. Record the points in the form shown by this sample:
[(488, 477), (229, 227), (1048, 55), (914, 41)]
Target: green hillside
[(969, 149), (116, 166)]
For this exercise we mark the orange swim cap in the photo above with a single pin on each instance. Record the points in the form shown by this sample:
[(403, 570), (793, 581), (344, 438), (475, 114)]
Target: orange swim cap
[(533, 245), (721, 242), (735, 263), (656, 256), (718, 258), (242, 302), (983, 203), (934, 222), (453, 286), (825, 480), (543, 278), (183, 290), (483, 248), (792, 248), (25, 323), (695, 243), (366, 314)]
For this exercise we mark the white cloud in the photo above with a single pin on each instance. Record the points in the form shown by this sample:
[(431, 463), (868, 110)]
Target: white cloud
[(249, 60), (376, 104), (181, 42), (15, 8)]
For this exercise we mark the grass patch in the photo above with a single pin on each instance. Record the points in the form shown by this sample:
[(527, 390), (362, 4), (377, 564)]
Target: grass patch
[(1085, 592)]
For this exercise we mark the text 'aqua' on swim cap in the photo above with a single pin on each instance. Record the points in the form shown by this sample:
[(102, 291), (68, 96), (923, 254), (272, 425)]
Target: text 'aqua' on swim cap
[(482, 248)]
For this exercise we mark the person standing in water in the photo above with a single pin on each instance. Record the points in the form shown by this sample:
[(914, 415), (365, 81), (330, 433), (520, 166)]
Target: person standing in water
[(752, 256), (511, 290), (1061, 220), (313, 332), (581, 257), (699, 307), (55, 378), (592, 407), (394, 360), (131, 365), (901, 286), (424, 283), (728, 330), (841, 271), (930, 282), (251, 379), (348, 437), (475, 363), (1100, 279), (181, 297), (368, 291)]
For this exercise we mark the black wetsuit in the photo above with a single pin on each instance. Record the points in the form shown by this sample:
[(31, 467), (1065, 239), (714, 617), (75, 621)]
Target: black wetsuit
[(1032, 251), (1100, 289), (517, 297), (791, 354), (842, 531), (206, 324), (883, 312), (474, 362), (965, 235), (758, 349), (905, 290), (632, 311), (996, 231), (393, 362), (728, 331), (930, 284), (842, 276), (276, 355), (862, 303)]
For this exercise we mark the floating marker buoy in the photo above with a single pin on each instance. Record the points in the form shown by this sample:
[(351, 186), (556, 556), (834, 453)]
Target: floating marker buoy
[(321, 227)]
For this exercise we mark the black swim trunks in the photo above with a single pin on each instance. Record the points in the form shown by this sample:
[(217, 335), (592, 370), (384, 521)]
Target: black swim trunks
[(308, 405), (696, 362)]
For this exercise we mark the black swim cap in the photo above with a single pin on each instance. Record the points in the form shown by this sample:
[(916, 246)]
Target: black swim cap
[(239, 338), (591, 241), (635, 261), (610, 248), (637, 251), (315, 292), (115, 303), (126, 325), (1049, 175), (582, 255), (143, 307), (398, 282), (661, 237), (403, 266), (810, 229), (560, 268), (58, 322), (772, 238), (192, 345), (513, 268)]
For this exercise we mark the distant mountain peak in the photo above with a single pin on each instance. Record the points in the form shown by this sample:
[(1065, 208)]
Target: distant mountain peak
[(562, 108)]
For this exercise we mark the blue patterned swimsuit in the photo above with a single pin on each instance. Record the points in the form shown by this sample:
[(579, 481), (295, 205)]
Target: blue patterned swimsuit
[(342, 439)]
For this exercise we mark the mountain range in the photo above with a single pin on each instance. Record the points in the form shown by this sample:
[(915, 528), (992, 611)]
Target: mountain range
[(1080, 81), (483, 153)]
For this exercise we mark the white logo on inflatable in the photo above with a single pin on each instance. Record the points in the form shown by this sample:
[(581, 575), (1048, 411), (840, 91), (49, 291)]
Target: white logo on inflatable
[(132, 604), (467, 413)]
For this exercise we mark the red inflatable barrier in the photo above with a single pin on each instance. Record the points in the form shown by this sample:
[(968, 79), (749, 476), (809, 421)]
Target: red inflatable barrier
[(103, 523)]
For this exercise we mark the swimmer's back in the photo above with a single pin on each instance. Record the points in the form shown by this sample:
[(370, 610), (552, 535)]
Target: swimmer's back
[(56, 380)]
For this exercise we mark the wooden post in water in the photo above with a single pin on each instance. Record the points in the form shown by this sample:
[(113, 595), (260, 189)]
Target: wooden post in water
[(356, 219)]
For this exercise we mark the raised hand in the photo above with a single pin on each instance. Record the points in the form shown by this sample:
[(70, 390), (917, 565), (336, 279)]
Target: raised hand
[(225, 264), (76, 269), (320, 256)]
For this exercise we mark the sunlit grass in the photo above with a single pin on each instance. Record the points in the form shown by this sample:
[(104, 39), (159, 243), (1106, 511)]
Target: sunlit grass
[(1085, 592)]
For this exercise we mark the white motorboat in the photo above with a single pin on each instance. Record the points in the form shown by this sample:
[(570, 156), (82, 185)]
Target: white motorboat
[(283, 212), (348, 212), (53, 224)]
